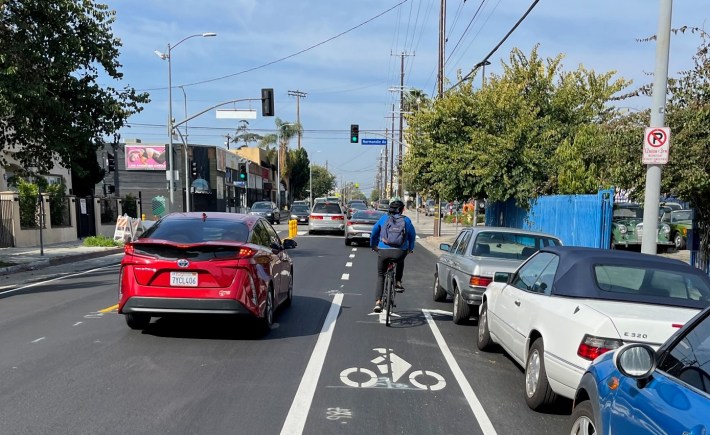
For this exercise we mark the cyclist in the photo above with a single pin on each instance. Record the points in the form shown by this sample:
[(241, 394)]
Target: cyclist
[(387, 253)]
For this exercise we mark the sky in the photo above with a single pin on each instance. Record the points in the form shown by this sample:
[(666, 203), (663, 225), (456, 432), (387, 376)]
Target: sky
[(345, 57)]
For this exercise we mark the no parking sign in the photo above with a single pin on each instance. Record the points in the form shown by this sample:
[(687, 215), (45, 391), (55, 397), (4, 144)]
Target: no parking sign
[(656, 145)]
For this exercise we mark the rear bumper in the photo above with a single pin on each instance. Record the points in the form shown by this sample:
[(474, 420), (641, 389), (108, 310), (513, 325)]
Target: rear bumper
[(326, 226), (473, 295), (139, 304)]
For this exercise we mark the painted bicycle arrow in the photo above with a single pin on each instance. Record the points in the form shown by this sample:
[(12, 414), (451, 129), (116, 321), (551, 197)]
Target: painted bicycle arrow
[(392, 368)]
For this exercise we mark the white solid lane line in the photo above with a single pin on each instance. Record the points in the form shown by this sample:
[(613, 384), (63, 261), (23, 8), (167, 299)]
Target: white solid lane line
[(296, 418), (481, 417)]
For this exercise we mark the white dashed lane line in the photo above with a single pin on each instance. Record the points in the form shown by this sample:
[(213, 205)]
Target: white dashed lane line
[(349, 264), (345, 277)]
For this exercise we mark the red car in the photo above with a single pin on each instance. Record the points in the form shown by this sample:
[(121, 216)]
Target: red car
[(202, 263)]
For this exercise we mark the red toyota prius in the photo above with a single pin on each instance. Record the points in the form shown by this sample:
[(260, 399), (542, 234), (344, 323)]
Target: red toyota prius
[(206, 263)]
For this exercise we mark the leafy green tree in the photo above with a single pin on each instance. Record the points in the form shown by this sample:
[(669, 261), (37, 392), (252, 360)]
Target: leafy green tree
[(52, 56), (323, 181), (297, 161), (287, 130)]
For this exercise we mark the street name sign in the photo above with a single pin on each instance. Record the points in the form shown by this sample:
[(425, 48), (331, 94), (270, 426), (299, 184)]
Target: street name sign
[(373, 141), (656, 145)]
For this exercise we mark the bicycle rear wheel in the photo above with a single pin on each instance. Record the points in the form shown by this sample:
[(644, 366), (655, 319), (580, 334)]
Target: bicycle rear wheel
[(389, 291)]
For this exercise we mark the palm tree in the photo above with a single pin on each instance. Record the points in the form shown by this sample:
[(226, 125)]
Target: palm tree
[(243, 135), (286, 130), (415, 99)]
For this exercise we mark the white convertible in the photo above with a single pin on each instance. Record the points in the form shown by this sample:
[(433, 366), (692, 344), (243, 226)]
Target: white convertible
[(565, 306)]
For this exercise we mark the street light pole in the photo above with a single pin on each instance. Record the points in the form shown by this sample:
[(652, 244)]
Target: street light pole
[(168, 55)]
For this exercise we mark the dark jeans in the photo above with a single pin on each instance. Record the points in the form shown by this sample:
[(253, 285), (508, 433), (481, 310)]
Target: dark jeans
[(384, 256)]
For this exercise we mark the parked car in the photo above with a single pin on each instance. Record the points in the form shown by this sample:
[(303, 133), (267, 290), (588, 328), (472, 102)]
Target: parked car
[(680, 221), (300, 213), (465, 268), (266, 209), (668, 390), (566, 305), (354, 206), (211, 262), (359, 227), (627, 228), (327, 216)]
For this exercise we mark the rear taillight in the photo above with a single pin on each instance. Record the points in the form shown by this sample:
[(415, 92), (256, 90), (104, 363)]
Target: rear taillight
[(338, 218), (246, 253), (350, 223), (480, 281), (314, 217), (591, 346), (128, 249)]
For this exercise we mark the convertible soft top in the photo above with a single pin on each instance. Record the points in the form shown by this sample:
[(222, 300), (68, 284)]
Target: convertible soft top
[(576, 277)]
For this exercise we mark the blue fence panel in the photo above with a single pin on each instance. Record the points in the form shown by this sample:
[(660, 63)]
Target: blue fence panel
[(578, 220)]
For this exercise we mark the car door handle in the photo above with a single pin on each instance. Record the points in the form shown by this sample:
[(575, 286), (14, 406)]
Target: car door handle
[(517, 303)]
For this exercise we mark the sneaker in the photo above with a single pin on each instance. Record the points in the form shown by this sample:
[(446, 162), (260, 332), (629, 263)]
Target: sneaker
[(378, 307), (398, 287)]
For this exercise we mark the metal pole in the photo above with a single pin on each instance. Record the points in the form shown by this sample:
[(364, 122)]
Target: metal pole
[(278, 169), (310, 184), (187, 163), (41, 217), (658, 105), (170, 132)]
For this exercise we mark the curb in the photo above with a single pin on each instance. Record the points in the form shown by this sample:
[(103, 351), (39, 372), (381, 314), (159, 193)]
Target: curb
[(81, 257)]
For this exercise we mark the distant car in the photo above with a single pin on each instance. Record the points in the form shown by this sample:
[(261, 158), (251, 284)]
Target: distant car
[(202, 263), (359, 227), (627, 228), (636, 390), (465, 268), (299, 203), (354, 206), (680, 221), (300, 213), (327, 216), (266, 209), (383, 205), (566, 305)]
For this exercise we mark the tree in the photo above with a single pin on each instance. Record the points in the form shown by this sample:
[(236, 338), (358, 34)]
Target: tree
[(297, 161), (286, 131), (242, 134), (323, 181), (51, 104)]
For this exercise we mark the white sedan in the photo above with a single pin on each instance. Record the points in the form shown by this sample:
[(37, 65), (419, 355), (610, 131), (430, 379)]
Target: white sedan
[(565, 306)]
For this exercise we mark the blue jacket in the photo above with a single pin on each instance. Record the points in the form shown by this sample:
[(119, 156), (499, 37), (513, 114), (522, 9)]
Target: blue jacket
[(410, 233)]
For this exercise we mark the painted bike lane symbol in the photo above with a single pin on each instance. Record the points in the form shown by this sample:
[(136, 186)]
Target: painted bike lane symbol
[(391, 368)]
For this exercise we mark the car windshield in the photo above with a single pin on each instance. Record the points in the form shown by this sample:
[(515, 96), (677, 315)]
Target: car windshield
[(628, 212), (327, 208), (667, 284), (196, 230), (299, 209), (358, 205), (261, 206), (367, 215), (512, 246)]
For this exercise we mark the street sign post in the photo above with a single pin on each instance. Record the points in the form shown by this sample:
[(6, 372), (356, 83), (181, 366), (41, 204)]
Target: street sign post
[(656, 145), (374, 141)]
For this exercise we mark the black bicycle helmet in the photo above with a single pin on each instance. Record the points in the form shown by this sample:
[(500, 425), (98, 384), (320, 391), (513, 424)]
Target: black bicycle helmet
[(396, 206)]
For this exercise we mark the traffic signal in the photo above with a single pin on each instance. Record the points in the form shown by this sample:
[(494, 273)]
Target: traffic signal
[(110, 162), (354, 133), (242, 172), (193, 167), (267, 102)]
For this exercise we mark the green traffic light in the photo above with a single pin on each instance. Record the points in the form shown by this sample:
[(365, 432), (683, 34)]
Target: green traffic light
[(353, 139)]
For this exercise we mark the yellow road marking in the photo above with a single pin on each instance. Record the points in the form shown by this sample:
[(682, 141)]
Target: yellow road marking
[(109, 309)]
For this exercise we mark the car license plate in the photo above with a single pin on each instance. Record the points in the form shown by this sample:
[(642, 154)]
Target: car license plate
[(302, 219), (365, 234), (183, 279), (327, 218)]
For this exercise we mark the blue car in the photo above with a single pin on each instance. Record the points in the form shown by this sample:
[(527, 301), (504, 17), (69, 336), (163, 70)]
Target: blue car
[(636, 390)]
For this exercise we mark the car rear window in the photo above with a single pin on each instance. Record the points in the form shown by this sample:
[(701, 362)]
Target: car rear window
[(299, 208), (651, 282), (197, 231), (327, 208), (511, 246), (367, 215)]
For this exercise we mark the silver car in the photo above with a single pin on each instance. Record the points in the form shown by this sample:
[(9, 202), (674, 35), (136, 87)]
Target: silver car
[(467, 266), (327, 216), (359, 227)]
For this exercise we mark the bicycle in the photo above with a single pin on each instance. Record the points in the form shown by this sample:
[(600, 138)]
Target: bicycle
[(388, 291)]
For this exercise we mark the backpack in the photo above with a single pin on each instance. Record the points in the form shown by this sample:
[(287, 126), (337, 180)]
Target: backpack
[(394, 231)]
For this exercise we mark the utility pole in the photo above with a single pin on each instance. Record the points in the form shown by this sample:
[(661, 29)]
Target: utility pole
[(228, 139), (298, 94), (392, 156), (116, 139), (658, 114), (400, 184), (440, 77), (384, 182)]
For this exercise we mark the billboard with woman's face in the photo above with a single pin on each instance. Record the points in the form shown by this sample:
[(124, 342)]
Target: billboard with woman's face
[(145, 157)]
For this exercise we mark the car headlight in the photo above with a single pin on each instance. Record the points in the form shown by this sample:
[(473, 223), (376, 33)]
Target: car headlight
[(665, 229), (622, 229), (268, 214)]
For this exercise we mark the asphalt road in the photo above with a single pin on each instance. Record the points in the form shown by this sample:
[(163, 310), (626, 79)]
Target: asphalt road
[(70, 365)]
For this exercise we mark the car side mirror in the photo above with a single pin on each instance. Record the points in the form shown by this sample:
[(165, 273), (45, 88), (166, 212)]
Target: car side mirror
[(444, 247), (635, 360), (290, 244), (501, 277)]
